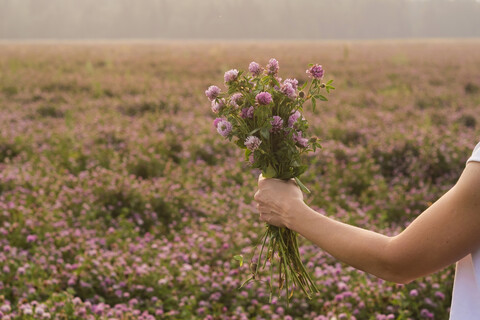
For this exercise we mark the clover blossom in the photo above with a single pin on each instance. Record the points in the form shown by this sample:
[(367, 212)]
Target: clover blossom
[(235, 99), (254, 69), (293, 82), (231, 75), (31, 238), (316, 71), (272, 67), (216, 122), (264, 98), (252, 143), (212, 92), (27, 311), (224, 128), (247, 113), (217, 105), (293, 118), (288, 90), (277, 124), (297, 137)]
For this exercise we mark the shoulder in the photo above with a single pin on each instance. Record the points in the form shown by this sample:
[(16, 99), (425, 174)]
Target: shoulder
[(467, 187), (475, 154)]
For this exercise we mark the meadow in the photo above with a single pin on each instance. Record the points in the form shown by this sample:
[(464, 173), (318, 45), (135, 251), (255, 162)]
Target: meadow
[(119, 200)]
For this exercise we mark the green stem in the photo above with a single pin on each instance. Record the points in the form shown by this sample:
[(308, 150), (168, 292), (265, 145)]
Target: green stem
[(302, 285), (261, 251)]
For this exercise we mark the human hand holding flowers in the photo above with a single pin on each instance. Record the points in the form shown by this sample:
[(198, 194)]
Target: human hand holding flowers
[(276, 200)]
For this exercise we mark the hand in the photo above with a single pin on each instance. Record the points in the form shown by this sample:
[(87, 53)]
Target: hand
[(275, 199)]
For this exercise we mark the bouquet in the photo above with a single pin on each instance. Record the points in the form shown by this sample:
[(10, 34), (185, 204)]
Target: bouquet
[(262, 114)]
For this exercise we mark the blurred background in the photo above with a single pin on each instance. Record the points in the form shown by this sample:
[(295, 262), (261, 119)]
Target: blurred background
[(238, 19), (119, 199)]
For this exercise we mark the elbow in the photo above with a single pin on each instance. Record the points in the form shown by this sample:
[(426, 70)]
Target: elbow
[(398, 277), (396, 266)]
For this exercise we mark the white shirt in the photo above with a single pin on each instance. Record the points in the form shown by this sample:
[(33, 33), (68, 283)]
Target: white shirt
[(466, 286)]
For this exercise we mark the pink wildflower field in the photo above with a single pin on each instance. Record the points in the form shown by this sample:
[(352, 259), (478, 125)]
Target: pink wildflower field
[(120, 200)]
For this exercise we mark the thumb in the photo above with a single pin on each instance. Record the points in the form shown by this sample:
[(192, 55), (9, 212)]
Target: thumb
[(261, 178)]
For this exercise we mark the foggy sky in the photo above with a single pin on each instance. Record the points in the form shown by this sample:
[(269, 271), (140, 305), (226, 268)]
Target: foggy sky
[(238, 19)]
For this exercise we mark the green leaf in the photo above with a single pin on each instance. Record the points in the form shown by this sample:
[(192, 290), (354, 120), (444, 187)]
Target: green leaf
[(320, 97), (302, 186), (329, 81), (275, 82), (240, 143), (265, 132), (314, 104), (265, 80), (328, 88), (247, 154), (256, 130), (303, 86), (246, 281), (270, 172), (239, 258)]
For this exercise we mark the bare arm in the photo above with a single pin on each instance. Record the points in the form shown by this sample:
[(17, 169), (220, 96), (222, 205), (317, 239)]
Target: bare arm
[(444, 233)]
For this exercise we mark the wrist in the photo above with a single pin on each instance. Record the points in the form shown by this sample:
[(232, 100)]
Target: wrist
[(296, 213)]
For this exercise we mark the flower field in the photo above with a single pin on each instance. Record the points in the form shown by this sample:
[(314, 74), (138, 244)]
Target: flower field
[(119, 199)]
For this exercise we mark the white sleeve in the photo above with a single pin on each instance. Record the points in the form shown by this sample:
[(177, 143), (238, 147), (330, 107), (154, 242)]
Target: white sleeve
[(475, 154)]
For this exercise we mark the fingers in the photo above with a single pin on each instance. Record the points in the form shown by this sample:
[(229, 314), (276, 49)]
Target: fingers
[(258, 197), (268, 217), (266, 214), (265, 217), (261, 180), (263, 208)]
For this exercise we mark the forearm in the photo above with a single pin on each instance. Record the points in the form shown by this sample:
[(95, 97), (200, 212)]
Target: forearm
[(360, 248), (443, 234)]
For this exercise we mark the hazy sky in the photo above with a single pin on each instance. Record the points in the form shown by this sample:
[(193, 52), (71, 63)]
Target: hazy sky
[(238, 19)]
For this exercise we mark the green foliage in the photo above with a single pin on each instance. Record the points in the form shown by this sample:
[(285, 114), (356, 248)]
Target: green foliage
[(65, 86), (472, 88), (468, 121), (347, 136), (10, 91), (127, 202), (8, 149), (398, 160), (432, 102), (50, 111), (142, 107)]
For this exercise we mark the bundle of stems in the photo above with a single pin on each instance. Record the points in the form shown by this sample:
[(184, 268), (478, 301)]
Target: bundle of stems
[(283, 243)]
